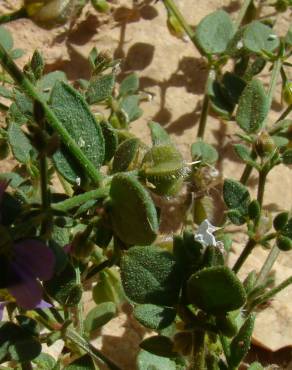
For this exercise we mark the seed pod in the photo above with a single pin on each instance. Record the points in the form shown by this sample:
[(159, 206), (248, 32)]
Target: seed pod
[(49, 12), (284, 243), (132, 211), (280, 220), (164, 169)]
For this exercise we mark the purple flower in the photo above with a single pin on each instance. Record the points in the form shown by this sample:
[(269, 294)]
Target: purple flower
[(28, 262), (32, 261)]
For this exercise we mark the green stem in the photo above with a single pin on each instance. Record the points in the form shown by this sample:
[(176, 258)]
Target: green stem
[(261, 186), (248, 169), (88, 348), (244, 254), (198, 362), (205, 106), (21, 13), (80, 311), (78, 200), (44, 183), (242, 13), (285, 113), (268, 264), (271, 293), (52, 119)]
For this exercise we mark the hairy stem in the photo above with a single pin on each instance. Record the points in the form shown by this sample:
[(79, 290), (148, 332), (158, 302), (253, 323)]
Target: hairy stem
[(52, 119), (268, 264), (242, 13), (90, 349), (261, 186), (285, 113), (244, 254), (78, 200), (271, 293), (80, 312)]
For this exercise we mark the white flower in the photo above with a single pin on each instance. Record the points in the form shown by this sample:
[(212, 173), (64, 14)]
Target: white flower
[(205, 235)]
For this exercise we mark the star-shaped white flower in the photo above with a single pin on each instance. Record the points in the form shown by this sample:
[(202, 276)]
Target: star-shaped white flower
[(205, 235)]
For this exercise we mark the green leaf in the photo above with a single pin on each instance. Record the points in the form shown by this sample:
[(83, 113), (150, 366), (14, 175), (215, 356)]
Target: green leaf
[(132, 211), (99, 316), (130, 106), (47, 82), (204, 152), (256, 366), (158, 134), (163, 166), (108, 288), (214, 32), (44, 362), (17, 53), (241, 342), (288, 37), (216, 290), (100, 88), (71, 109), (159, 345), (147, 361), (153, 316), (129, 85), (82, 363), (287, 157), (20, 145), (6, 39), (6, 93), (233, 87), (111, 140), (287, 229), (150, 275), (243, 153), (237, 198), (257, 37), (125, 155), (63, 288), (253, 107), (17, 343)]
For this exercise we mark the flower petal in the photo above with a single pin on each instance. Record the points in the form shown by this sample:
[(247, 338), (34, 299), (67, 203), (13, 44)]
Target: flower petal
[(43, 304), (28, 291), (34, 257)]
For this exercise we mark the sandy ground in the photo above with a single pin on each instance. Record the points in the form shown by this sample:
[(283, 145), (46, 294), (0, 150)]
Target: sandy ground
[(174, 73)]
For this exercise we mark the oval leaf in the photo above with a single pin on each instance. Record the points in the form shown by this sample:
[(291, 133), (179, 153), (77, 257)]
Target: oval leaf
[(99, 316), (150, 275), (214, 32), (133, 213), (153, 316), (253, 107), (257, 37), (72, 110), (216, 290)]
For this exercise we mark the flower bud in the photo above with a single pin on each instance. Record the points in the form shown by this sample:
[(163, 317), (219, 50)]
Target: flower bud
[(280, 220), (284, 243), (264, 144), (287, 93)]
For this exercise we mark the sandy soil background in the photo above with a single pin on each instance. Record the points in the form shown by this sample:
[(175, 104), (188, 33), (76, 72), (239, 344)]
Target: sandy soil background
[(174, 73)]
